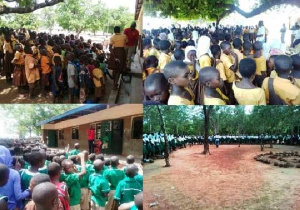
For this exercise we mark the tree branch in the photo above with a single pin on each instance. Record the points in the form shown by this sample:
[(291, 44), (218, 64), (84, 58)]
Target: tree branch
[(28, 9)]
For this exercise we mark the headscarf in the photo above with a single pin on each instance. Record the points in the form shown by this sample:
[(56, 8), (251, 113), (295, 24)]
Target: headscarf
[(188, 49), (203, 46)]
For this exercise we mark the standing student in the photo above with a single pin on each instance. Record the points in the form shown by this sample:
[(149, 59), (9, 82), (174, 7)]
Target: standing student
[(57, 78), (99, 82), (45, 196), (72, 82), (130, 47), (203, 52), (164, 57), (8, 57), (46, 69), (91, 138), (19, 78), (261, 64)]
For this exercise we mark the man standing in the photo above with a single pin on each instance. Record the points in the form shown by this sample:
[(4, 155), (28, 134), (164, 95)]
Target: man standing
[(261, 32), (91, 138), (282, 31), (133, 38)]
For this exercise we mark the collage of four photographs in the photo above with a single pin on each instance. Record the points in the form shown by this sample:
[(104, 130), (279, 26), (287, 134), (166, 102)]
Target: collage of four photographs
[(193, 104)]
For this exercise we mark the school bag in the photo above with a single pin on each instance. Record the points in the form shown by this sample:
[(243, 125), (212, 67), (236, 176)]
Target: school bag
[(62, 190), (274, 99)]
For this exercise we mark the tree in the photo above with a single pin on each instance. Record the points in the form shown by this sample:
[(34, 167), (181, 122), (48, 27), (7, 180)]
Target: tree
[(28, 21), (48, 18), (207, 111), (119, 17), (24, 6), (209, 9)]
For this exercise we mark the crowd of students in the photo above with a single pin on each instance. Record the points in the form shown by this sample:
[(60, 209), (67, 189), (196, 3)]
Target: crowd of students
[(217, 66), (154, 143), (62, 64), (42, 179)]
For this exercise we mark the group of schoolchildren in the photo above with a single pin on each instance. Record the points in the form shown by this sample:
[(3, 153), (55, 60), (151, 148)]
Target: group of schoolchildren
[(59, 64), (72, 180), (216, 67)]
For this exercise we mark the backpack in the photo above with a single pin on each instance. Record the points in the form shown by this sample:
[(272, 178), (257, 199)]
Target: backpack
[(62, 191), (274, 99)]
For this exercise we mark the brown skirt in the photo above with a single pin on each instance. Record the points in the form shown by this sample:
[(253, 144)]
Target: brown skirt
[(19, 77), (45, 80), (121, 55)]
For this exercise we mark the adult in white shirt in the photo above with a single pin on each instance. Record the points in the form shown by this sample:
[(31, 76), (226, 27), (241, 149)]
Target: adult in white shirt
[(261, 32)]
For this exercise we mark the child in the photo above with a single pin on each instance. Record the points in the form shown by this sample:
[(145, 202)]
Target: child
[(244, 91), (72, 82), (54, 171), (282, 90), (203, 52), (31, 70), (248, 47), (210, 78), (99, 186), (72, 178), (103, 66), (270, 64), (84, 78), (45, 196), (146, 47), (218, 64), (178, 75), (57, 79), (155, 48), (36, 161), (128, 187), (237, 45), (137, 204), (261, 64), (113, 175), (296, 70), (19, 78), (231, 67), (76, 150), (156, 88), (164, 57), (150, 66), (179, 55), (99, 82), (46, 69)]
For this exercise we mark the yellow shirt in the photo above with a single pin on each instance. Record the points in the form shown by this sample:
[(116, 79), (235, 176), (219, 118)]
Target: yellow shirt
[(273, 74), (221, 68), (213, 101), (191, 68), (227, 64), (146, 53), (204, 61), (261, 65), (163, 60), (297, 82), (284, 89), (254, 96), (178, 100), (240, 57), (155, 52), (118, 40), (32, 72), (19, 58), (98, 74)]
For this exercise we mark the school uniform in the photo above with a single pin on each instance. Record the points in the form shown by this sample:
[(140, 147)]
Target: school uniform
[(240, 57), (255, 96), (32, 72), (98, 186), (19, 77), (84, 186), (26, 176), (163, 60), (227, 62), (178, 100), (99, 87), (261, 66), (273, 74), (74, 189), (118, 41), (46, 69), (204, 61), (155, 52), (127, 189), (220, 67), (284, 89)]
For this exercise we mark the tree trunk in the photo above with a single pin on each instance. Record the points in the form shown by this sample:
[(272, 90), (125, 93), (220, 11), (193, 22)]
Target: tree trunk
[(206, 128), (162, 125), (261, 144)]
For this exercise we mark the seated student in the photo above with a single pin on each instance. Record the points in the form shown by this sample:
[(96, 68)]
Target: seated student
[(156, 88), (296, 70), (231, 67), (46, 70), (36, 161), (99, 82), (150, 66), (270, 65), (164, 57), (137, 204), (128, 187), (71, 178), (179, 55), (155, 48), (178, 75), (244, 91), (261, 64), (280, 90), (113, 175), (99, 187), (210, 78), (203, 52), (54, 171), (237, 47), (45, 196), (248, 47)]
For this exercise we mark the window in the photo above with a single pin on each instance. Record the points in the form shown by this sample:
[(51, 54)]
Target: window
[(137, 128), (61, 135), (75, 133)]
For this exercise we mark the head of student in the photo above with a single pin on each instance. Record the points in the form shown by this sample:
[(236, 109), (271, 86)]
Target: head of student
[(130, 159), (131, 170), (133, 25), (177, 73), (283, 65), (45, 196), (226, 47), (237, 43), (270, 62), (117, 29), (54, 170), (4, 174), (210, 78), (68, 166), (179, 55), (138, 201), (151, 62), (164, 45), (76, 145), (257, 46), (216, 51), (38, 179), (296, 62), (156, 88), (98, 165), (247, 68)]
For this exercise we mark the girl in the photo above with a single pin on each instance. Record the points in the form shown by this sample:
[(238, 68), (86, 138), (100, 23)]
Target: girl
[(19, 78)]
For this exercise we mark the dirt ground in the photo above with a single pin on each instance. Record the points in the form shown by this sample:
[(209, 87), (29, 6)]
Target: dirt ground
[(228, 179)]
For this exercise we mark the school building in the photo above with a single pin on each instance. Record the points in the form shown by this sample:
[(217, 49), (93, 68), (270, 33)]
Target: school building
[(119, 127)]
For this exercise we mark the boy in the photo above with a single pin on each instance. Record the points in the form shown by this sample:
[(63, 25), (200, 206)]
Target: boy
[(46, 69), (150, 66), (261, 64), (72, 82), (164, 57), (72, 178), (113, 175), (156, 88), (237, 45), (76, 150), (99, 82), (284, 91), (128, 187), (216, 51), (248, 47), (54, 171), (99, 187), (45, 196), (19, 78), (296, 70), (179, 55)]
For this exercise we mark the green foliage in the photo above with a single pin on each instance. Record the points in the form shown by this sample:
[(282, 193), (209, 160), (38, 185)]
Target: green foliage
[(224, 120), (28, 116), (29, 21)]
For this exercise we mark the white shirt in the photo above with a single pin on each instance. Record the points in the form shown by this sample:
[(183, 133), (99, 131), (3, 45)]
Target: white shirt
[(261, 31)]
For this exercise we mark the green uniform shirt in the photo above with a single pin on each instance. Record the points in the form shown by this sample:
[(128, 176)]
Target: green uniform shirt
[(72, 181), (44, 169), (84, 181), (114, 176), (99, 186), (74, 152), (127, 189), (140, 179), (133, 207), (89, 162), (26, 176)]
